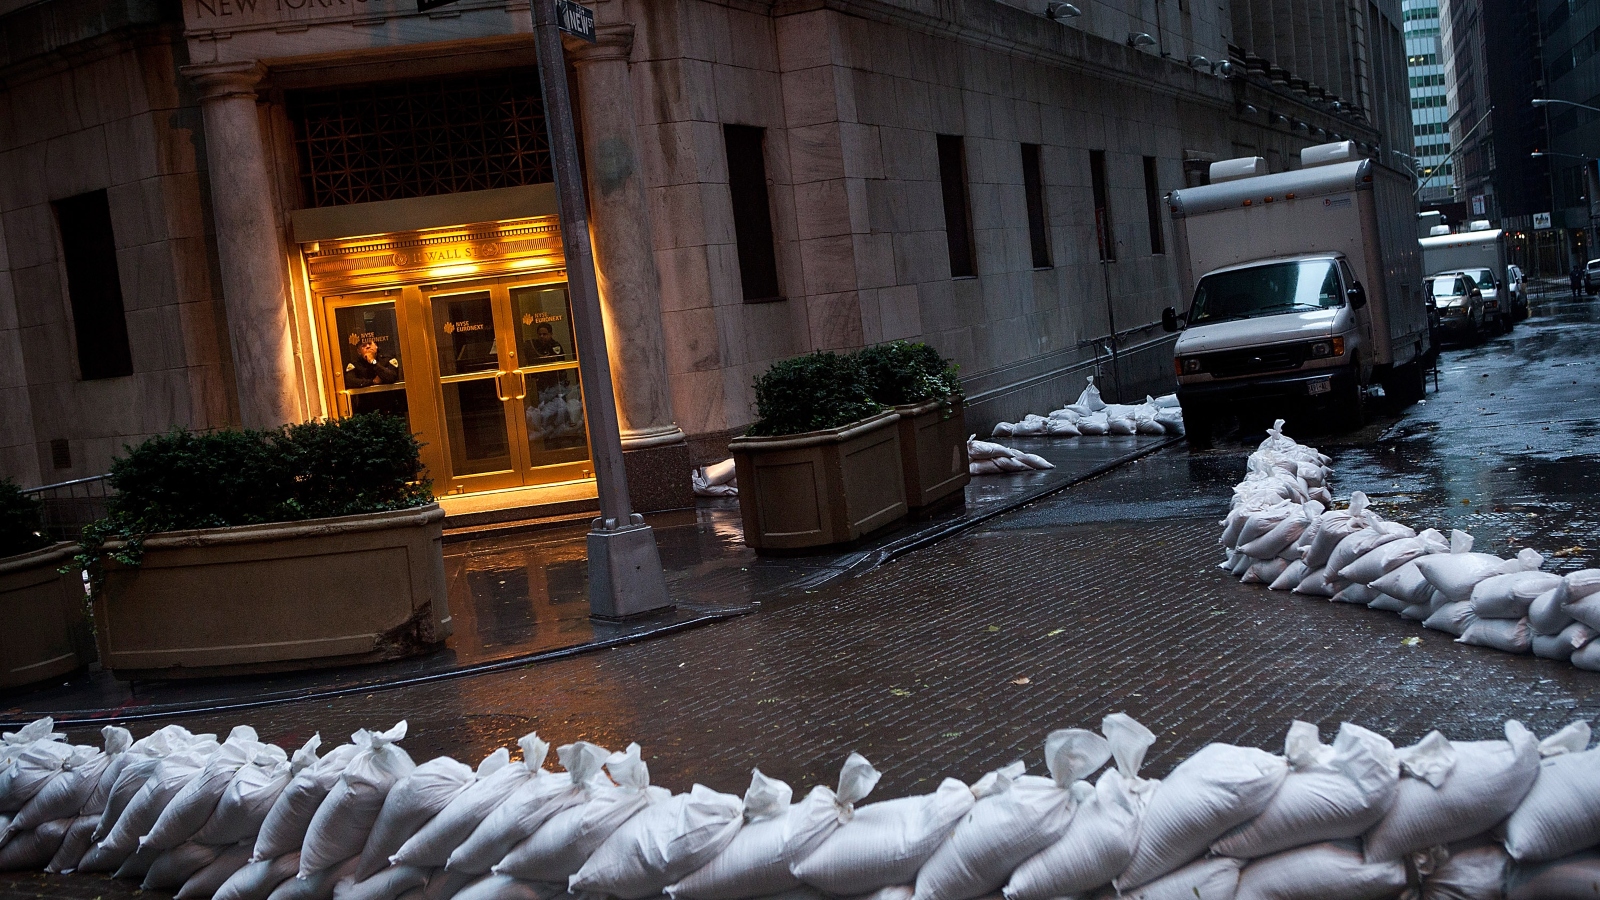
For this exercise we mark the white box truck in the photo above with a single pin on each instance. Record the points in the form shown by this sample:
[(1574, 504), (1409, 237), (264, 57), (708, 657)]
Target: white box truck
[(1306, 288), (1481, 247)]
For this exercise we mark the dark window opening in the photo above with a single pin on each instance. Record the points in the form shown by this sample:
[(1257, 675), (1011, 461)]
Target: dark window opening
[(1033, 188), (1102, 209), (752, 211), (1152, 205), (60, 453), (89, 251), (957, 214)]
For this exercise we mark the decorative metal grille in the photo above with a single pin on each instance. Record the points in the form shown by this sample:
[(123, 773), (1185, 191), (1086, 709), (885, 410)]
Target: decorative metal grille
[(420, 138)]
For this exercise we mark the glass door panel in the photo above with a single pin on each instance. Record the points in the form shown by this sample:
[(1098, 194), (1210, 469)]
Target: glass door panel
[(547, 366), (475, 411), (370, 358)]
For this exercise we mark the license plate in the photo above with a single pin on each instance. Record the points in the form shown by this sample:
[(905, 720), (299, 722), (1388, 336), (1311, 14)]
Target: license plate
[(1320, 387)]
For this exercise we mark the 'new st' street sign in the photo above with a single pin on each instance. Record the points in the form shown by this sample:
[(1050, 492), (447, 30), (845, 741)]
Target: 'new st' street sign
[(575, 19)]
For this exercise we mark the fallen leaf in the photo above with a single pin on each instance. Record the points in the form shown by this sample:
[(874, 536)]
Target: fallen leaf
[(951, 734), (1023, 680), (900, 692), (1411, 642), (1568, 551), (993, 628), (1056, 632)]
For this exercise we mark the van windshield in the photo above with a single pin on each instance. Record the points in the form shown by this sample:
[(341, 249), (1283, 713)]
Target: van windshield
[(1269, 290)]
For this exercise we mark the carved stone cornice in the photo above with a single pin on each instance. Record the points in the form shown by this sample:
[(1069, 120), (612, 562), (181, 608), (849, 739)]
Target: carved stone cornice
[(614, 42), (218, 81)]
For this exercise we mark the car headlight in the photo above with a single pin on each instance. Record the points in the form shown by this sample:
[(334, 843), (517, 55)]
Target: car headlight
[(1327, 349), (1186, 365)]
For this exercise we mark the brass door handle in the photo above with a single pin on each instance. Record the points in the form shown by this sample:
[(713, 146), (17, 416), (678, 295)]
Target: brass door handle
[(503, 397), (522, 380)]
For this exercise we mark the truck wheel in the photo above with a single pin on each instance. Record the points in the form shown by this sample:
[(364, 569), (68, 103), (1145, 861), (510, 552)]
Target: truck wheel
[(1351, 412), (1197, 425), (1407, 384)]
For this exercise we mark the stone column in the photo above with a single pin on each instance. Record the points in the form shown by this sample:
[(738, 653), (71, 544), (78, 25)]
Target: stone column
[(653, 445), (255, 293)]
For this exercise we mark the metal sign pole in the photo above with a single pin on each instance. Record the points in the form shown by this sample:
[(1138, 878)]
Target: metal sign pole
[(625, 577)]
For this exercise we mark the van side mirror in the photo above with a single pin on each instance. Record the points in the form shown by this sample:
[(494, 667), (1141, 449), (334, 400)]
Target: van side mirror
[(1169, 320), (1357, 296)]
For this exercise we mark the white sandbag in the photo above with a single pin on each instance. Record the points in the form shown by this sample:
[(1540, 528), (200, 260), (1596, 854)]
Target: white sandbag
[(1505, 635), (31, 850), (385, 885), (1583, 582), (432, 845), (1473, 871), (1003, 429), (1121, 425), (1241, 565), (1386, 557), (1406, 584), (1217, 788), (1561, 813), (1262, 522), (1035, 461), (65, 793), (1386, 603), (1030, 426), (134, 768), (660, 845), (1095, 424), (885, 843), (1171, 421), (343, 821), (1100, 839), (135, 866), (1020, 816), (192, 806), (1451, 792), (1324, 871), (1291, 576), (247, 800), (256, 880), (1451, 618), (1562, 646), (560, 847), (1090, 398), (1545, 615), (754, 863), (816, 817), (1563, 879), (1357, 593), (215, 874), (1206, 879), (983, 467), (1265, 571), (31, 768), (1509, 596), (13, 742), (118, 741), (284, 829), (318, 886), (1331, 793), (504, 887), (1290, 525), (1334, 526), (1454, 574), (538, 800), (174, 771), (1585, 609), (1354, 547), (174, 866), (1063, 428), (80, 836), (1320, 583), (1587, 657), (409, 805)]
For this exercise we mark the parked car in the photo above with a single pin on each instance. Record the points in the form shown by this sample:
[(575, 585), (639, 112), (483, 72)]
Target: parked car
[(1459, 301), (1591, 277), (1517, 289), (1496, 300)]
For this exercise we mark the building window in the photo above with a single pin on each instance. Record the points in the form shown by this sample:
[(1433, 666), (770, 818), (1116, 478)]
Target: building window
[(957, 214), (420, 138), (1033, 188), (1152, 205), (752, 211), (89, 251), (1102, 208)]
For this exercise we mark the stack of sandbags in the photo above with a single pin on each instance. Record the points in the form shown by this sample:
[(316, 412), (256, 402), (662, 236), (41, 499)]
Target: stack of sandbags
[(987, 458), (1091, 415)]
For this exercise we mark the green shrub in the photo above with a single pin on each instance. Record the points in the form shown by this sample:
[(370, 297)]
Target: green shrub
[(186, 479), (20, 528), (901, 372), (810, 393)]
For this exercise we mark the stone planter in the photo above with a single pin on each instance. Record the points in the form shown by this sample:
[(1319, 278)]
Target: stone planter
[(820, 487), (276, 597), (933, 450), (46, 631)]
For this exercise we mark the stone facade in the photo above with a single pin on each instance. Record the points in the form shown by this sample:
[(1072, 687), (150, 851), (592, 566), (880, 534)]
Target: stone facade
[(853, 96)]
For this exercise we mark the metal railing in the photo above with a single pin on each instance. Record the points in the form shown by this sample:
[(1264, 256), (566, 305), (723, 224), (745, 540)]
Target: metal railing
[(70, 505)]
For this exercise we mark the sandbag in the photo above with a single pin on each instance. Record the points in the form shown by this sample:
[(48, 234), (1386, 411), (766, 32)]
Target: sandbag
[(1206, 879), (1331, 793), (1508, 596), (191, 807), (504, 887), (1451, 792), (432, 845), (1289, 525), (385, 885), (1451, 618), (256, 880), (31, 768), (79, 838), (560, 847), (247, 800), (1585, 609), (1587, 657), (530, 806), (170, 776), (1386, 603), (1324, 871), (1406, 584), (660, 845), (133, 769), (1456, 573), (885, 843), (318, 885), (1334, 526), (1291, 576), (1020, 816), (343, 821), (214, 875), (1388, 556), (1563, 879), (118, 741), (1505, 635), (284, 829), (1265, 571), (1561, 813), (409, 805), (1357, 593), (1217, 788), (1100, 839), (754, 863), (65, 794), (174, 866), (1545, 615), (1473, 871), (1562, 646), (33, 849), (1363, 542)]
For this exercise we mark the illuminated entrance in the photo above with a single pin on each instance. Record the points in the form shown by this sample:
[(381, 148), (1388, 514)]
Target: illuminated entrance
[(467, 332)]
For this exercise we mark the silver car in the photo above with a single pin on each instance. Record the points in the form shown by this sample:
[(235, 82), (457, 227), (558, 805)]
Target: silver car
[(1459, 302), (1496, 301)]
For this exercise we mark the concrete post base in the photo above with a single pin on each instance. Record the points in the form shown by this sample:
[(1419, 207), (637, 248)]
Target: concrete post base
[(625, 577), (658, 477)]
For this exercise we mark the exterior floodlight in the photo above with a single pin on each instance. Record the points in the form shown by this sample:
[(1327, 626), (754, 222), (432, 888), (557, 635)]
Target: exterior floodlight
[(1140, 39), (1055, 12), (1298, 125), (1337, 106), (1250, 110), (1223, 69), (1538, 101), (1279, 119), (1199, 62)]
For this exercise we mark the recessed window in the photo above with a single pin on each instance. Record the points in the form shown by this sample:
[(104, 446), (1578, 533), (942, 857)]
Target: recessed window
[(1152, 204), (752, 211), (1033, 190), (1102, 207), (957, 213), (89, 251)]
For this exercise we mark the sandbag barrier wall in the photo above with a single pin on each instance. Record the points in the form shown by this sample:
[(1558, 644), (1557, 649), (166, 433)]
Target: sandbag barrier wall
[(1356, 820), (1283, 532), (1091, 415)]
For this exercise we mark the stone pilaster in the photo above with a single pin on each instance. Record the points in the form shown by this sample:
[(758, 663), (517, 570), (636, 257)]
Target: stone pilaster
[(250, 248), (630, 291)]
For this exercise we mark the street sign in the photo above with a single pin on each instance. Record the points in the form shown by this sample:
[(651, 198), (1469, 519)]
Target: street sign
[(575, 19), (1479, 206), (1541, 221)]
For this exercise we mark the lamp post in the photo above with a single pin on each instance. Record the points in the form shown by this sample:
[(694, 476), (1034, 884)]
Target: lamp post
[(1588, 182), (625, 577), (1546, 101)]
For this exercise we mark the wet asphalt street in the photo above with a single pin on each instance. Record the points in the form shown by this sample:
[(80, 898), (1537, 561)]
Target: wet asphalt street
[(961, 657)]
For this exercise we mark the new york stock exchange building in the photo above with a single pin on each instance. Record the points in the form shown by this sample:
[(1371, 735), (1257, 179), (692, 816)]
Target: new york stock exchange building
[(254, 212)]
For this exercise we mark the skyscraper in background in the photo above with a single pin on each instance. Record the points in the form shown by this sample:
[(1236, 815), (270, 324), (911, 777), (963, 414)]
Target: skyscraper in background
[(1430, 112)]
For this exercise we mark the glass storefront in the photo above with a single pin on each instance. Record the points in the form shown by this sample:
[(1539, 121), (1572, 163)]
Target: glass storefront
[(467, 332)]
